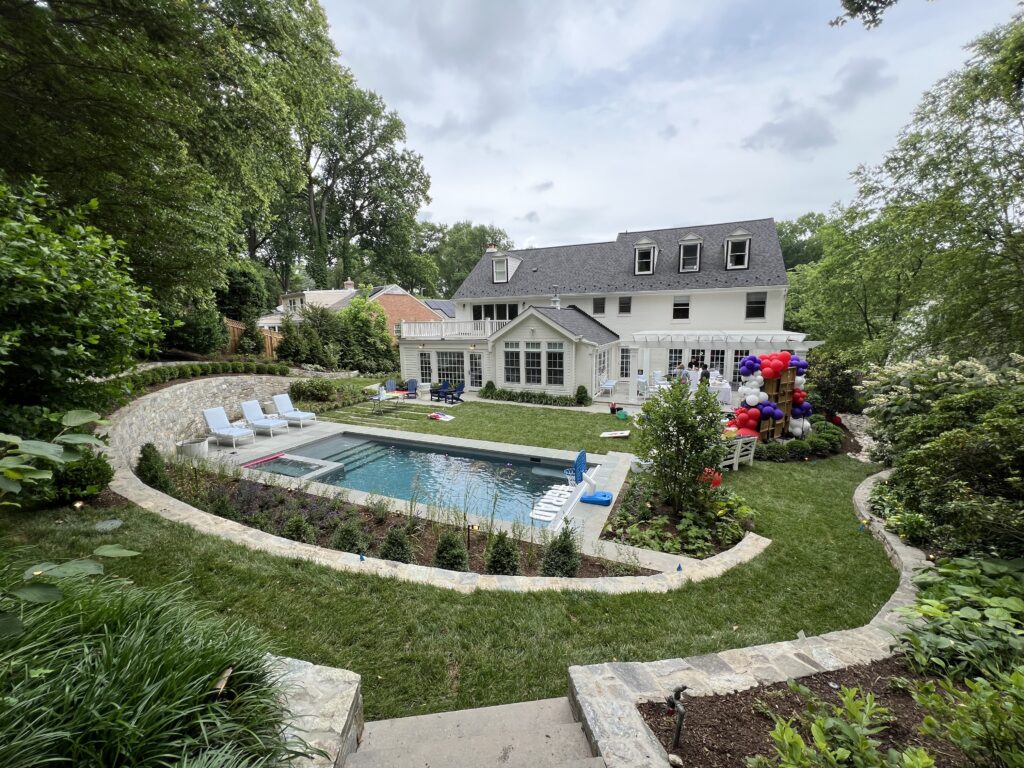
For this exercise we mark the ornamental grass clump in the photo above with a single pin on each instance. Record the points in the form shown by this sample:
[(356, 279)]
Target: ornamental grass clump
[(113, 674)]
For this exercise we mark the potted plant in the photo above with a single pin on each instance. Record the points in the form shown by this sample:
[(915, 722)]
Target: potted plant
[(193, 447)]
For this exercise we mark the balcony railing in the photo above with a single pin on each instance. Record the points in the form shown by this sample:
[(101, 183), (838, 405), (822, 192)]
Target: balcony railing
[(450, 329)]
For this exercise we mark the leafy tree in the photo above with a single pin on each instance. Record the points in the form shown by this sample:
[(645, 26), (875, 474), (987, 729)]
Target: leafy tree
[(196, 326), (799, 239), (244, 297), (365, 342), (178, 116), (463, 245), (68, 309), (869, 12), (682, 437)]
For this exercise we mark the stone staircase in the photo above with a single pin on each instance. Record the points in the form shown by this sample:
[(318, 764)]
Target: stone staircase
[(531, 734)]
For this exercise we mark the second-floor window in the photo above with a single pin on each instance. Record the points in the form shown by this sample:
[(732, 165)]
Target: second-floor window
[(757, 303), (625, 304), (599, 306), (500, 267), (681, 308), (495, 311), (644, 260)]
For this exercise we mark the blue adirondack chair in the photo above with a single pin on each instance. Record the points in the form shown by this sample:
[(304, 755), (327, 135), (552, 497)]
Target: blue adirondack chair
[(411, 389), (456, 395), (441, 392)]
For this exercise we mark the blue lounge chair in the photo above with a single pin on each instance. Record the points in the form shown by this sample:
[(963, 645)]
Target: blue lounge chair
[(456, 395), (389, 385), (441, 392), (411, 389)]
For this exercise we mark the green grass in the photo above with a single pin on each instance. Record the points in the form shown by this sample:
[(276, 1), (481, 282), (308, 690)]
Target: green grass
[(422, 650), (560, 428)]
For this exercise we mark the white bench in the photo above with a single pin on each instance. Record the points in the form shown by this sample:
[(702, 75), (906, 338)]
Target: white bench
[(741, 451)]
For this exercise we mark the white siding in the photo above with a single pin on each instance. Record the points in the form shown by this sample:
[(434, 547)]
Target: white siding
[(534, 329)]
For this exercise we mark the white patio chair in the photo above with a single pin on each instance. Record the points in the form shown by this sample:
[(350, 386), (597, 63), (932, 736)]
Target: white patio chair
[(641, 385), (287, 411), (222, 429), (608, 385), (258, 420)]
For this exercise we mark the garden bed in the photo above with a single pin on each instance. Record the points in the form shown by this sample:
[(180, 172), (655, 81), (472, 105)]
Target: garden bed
[(364, 529), (722, 731)]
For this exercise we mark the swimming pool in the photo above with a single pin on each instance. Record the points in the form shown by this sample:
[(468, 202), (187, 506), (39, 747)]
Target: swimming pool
[(480, 484)]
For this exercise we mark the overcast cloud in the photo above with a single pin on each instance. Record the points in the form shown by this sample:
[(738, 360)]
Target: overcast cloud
[(570, 121)]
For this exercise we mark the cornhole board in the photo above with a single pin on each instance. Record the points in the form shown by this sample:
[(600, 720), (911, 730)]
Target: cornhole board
[(620, 433), (440, 416)]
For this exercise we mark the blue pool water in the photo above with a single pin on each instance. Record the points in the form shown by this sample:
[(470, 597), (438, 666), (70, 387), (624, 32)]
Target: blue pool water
[(506, 486)]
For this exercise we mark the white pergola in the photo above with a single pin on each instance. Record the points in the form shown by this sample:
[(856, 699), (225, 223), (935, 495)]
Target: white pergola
[(727, 339)]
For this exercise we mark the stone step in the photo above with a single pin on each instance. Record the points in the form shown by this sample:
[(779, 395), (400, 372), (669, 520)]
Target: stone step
[(365, 457), (553, 746), (524, 715)]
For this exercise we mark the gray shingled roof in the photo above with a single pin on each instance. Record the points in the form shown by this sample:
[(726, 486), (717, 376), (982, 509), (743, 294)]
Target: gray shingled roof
[(441, 305), (579, 323), (608, 267)]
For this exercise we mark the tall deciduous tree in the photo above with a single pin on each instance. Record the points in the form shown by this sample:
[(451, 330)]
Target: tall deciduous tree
[(799, 238), (463, 245)]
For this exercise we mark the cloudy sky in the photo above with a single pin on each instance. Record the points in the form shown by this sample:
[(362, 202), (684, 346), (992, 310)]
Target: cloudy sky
[(568, 121)]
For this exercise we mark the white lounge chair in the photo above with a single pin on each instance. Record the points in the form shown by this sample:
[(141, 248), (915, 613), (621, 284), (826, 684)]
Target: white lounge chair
[(608, 385), (222, 429), (287, 411), (257, 419)]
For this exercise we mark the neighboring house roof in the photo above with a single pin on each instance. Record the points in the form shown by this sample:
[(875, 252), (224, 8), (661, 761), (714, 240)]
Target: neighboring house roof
[(574, 321), (608, 267), (442, 306)]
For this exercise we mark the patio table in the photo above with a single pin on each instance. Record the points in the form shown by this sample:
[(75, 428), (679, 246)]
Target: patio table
[(379, 400)]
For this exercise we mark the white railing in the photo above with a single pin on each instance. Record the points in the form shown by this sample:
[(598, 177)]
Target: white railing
[(450, 329)]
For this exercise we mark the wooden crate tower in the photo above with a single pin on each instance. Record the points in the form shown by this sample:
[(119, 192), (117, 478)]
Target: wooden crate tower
[(780, 392)]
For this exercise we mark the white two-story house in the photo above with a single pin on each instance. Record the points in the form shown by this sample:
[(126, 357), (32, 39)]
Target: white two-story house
[(554, 318)]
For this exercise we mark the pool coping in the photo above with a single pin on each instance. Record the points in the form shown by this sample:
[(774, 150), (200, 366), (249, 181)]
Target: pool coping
[(680, 570)]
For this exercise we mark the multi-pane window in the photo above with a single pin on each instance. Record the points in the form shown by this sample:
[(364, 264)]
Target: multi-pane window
[(675, 358), (500, 267), (599, 306), (756, 305), (556, 364), (697, 355), (737, 355), (495, 311), (601, 363), (689, 256), (451, 367), (681, 308), (512, 362), (624, 362), (533, 370), (644, 260), (425, 369), (476, 369), (625, 304), (736, 253), (716, 362)]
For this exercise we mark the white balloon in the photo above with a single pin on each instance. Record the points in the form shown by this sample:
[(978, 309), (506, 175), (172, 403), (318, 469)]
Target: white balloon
[(751, 400), (759, 380), (800, 381), (762, 397), (797, 431)]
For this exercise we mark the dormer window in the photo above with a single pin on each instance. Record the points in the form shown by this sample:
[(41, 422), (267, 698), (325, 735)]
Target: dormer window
[(645, 254), (690, 248), (737, 250), (500, 268)]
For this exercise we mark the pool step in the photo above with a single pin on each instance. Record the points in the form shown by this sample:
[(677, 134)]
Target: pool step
[(370, 452), (530, 734)]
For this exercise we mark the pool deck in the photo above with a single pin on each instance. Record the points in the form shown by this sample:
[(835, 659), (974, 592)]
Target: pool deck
[(587, 519)]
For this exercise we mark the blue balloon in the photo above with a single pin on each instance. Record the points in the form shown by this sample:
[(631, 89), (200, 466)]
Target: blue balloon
[(777, 414), (744, 371)]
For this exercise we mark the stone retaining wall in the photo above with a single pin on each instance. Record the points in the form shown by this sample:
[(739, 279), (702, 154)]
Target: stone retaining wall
[(604, 696)]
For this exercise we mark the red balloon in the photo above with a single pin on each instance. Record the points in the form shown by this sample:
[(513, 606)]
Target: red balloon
[(747, 433), (786, 357), (754, 415)]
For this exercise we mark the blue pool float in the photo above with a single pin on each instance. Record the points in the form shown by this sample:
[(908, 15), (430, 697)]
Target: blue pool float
[(604, 498)]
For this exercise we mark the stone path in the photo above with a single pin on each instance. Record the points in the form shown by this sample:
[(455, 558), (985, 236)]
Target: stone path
[(604, 696), (858, 426)]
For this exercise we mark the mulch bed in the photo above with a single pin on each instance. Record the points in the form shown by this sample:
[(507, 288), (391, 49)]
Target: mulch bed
[(722, 731)]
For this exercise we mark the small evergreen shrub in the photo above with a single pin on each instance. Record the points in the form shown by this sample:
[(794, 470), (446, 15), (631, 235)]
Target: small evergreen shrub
[(776, 451), (151, 469), (317, 390), (562, 557), (298, 528), (818, 445), (261, 368), (583, 397), (486, 391), (798, 450), (397, 545), (350, 536), (502, 557), (82, 479), (249, 367), (451, 552), (534, 398)]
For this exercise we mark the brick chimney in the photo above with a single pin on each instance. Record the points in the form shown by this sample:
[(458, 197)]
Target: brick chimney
[(349, 285), (491, 248)]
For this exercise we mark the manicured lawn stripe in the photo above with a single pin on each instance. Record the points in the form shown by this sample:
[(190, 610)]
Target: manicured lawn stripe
[(425, 650)]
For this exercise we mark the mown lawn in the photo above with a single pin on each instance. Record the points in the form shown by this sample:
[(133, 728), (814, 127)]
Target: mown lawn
[(560, 428), (422, 650)]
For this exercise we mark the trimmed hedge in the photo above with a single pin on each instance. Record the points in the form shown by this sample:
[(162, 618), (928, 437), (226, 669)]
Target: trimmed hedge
[(137, 382), (825, 440), (491, 392)]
